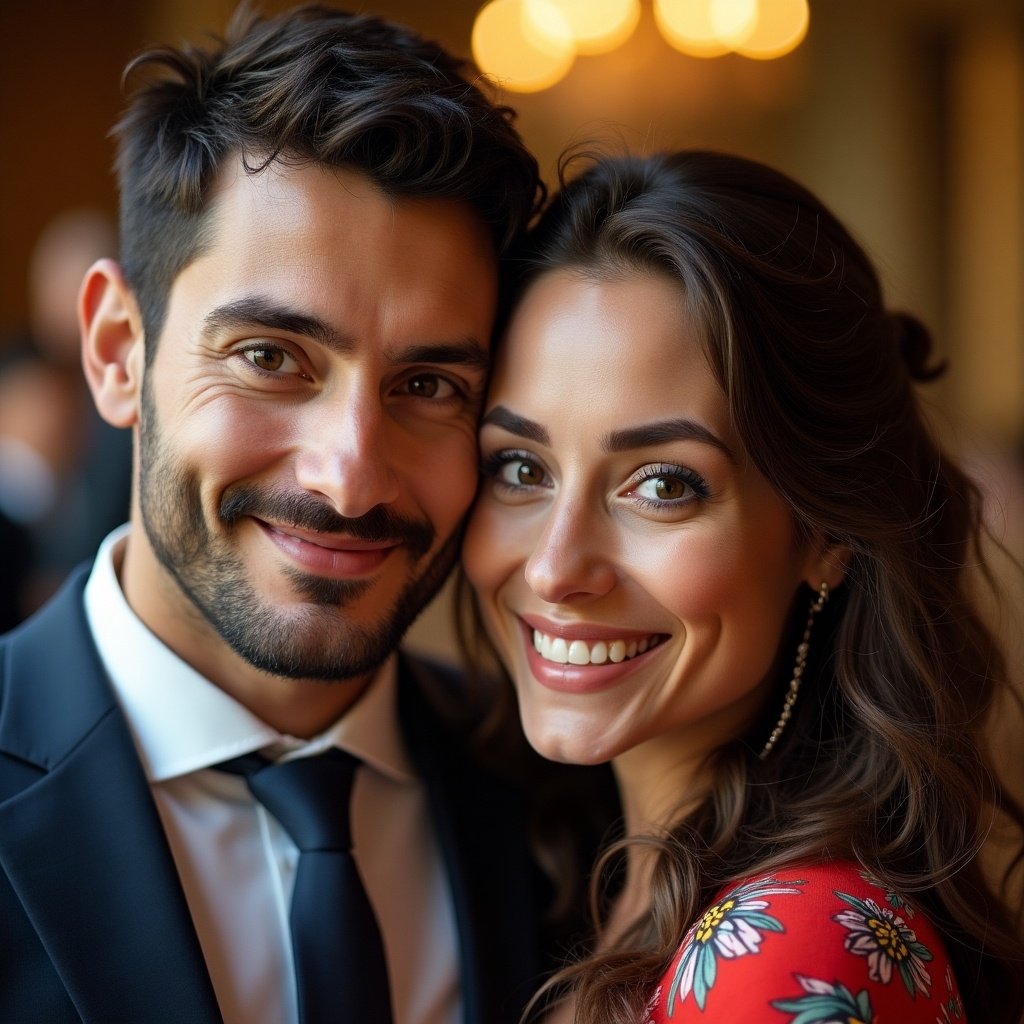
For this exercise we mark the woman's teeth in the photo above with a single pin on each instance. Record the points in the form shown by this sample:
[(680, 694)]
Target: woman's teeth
[(581, 652)]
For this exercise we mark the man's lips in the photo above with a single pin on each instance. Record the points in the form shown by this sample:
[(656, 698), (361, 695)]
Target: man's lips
[(329, 554), (306, 519)]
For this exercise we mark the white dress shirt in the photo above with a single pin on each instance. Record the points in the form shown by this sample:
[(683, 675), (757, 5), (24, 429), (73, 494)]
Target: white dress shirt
[(236, 863)]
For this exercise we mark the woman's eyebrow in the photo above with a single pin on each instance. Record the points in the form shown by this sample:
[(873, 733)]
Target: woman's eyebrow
[(500, 416), (659, 433)]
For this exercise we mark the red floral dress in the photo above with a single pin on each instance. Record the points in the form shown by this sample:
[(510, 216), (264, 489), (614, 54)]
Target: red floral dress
[(812, 944)]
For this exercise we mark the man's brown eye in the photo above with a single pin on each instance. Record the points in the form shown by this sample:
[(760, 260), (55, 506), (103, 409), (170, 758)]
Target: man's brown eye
[(266, 358), (424, 386), (430, 385)]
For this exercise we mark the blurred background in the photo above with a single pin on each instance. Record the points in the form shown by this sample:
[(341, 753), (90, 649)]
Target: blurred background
[(906, 115)]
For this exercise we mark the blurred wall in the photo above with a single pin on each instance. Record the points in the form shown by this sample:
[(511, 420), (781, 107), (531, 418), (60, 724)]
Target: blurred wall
[(59, 95)]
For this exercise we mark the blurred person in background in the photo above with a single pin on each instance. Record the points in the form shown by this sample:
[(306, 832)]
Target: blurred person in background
[(64, 472)]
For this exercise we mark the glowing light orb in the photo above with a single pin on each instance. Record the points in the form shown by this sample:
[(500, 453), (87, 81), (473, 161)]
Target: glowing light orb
[(515, 50), (689, 26), (779, 28), (597, 26)]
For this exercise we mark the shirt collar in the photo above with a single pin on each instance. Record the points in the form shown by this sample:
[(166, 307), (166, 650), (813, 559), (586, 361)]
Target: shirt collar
[(181, 722)]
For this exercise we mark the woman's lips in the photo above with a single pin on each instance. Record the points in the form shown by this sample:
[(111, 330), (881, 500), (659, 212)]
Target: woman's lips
[(588, 661), (329, 554)]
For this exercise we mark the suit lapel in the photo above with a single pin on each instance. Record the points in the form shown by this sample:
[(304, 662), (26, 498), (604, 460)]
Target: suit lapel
[(83, 845), (480, 826)]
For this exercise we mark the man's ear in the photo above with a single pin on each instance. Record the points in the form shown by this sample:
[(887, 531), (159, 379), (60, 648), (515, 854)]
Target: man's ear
[(827, 563), (112, 343)]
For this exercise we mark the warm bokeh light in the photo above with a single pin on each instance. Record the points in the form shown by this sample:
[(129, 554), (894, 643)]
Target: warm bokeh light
[(597, 26), (762, 29), (779, 28), (688, 25), (529, 45), (545, 27), (734, 20), (510, 48)]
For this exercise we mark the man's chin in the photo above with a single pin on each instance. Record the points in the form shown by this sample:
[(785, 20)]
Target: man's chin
[(321, 652), (337, 594)]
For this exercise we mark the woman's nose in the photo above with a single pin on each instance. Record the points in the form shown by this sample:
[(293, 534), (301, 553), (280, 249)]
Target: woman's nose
[(571, 561)]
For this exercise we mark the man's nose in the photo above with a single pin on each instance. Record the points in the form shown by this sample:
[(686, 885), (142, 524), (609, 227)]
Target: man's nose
[(344, 453)]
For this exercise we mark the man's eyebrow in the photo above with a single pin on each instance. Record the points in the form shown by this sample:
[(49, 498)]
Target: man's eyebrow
[(661, 432), (256, 311), (505, 418), (468, 353)]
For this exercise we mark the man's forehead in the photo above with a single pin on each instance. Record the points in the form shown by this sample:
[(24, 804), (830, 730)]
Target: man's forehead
[(254, 182)]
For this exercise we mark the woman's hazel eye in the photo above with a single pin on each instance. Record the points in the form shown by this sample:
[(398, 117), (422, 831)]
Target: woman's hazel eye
[(520, 473), (667, 488), (530, 474), (664, 488)]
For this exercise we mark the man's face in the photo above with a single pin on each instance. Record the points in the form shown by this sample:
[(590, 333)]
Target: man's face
[(307, 429)]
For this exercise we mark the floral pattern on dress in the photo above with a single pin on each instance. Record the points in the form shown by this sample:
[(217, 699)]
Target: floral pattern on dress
[(733, 927), (894, 899), (953, 1008), (825, 1003), (823, 963), (885, 939)]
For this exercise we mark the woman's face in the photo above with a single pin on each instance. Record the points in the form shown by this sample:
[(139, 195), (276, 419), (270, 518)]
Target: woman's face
[(634, 569)]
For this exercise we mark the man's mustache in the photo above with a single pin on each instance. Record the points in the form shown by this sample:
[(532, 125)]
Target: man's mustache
[(379, 525)]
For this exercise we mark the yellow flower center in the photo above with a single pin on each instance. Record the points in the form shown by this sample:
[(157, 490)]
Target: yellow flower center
[(889, 939), (712, 918)]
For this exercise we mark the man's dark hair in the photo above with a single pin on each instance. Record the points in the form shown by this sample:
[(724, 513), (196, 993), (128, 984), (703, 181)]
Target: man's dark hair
[(315, 85)]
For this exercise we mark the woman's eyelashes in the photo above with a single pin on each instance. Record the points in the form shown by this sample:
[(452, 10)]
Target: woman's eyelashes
[(657, 487), (663, 486), (514, 471)]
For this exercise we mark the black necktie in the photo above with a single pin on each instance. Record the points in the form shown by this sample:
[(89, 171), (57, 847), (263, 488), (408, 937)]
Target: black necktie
[(340, 970)]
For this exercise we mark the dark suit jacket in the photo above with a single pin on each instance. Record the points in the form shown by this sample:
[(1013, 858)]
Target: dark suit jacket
[(93, 922)]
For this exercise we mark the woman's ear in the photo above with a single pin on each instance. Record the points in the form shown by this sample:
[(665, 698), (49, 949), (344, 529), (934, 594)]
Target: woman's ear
[(827, 562), (112, 343)]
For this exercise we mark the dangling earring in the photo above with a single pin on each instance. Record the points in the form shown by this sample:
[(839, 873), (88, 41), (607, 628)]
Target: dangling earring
[(798, 670)]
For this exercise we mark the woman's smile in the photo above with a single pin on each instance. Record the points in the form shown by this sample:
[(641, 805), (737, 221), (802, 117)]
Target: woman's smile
[(582, 658)]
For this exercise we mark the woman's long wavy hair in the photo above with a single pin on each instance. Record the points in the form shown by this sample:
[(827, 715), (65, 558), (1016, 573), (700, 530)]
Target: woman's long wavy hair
[(884, 760)]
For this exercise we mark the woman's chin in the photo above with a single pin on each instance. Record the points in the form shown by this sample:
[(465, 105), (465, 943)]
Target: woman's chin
[(566, 745)]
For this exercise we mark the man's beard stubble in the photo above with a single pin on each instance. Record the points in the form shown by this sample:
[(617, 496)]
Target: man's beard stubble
[(316, 642)]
